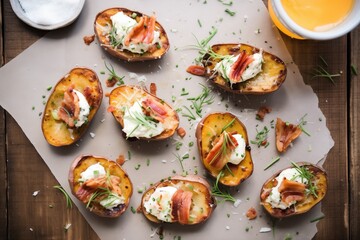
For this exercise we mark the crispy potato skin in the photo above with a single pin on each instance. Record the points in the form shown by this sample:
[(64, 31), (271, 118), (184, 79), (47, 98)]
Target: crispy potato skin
[(81, 163), (56, 132), (103, 19), (201, 196), (299, 207), (127, 95), (208, 129), (269, 80)]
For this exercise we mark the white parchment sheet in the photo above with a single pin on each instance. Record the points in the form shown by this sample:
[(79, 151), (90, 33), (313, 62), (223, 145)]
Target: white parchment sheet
[(26, 78)]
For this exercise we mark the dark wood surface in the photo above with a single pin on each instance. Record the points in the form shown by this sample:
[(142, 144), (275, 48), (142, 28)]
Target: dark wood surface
[(22, 171)]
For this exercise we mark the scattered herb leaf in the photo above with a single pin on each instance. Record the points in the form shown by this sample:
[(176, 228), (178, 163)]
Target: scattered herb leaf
[(67, 197)]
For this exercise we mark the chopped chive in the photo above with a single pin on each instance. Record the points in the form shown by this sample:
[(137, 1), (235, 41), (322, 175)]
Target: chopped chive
[(354, 70), (272, 163), (67, 197), (317, 219), (231, 13), (200, 25)]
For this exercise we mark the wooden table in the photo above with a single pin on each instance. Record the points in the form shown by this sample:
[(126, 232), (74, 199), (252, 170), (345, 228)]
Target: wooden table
[(22, 171)]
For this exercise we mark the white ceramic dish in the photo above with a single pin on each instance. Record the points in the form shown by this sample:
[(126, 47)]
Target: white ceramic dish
[(20, 13)]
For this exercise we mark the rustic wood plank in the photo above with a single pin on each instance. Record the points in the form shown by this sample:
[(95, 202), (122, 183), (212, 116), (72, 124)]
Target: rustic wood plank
[(43, 216), (333, 103), (355, 136)]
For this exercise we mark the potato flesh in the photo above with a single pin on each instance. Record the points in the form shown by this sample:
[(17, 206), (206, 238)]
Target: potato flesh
[(211, 128), (303, 206), (57, 132), (268, 80)]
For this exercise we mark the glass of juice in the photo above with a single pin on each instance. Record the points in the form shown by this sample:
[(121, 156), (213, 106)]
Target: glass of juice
[(315, 19)]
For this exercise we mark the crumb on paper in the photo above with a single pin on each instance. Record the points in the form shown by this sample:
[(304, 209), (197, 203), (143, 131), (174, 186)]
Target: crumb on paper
[(120, 160), (227, 227), (36, 193), (237, 203), (251, 213), (89, 39), (92, 135), (262, 111), (265, 230), (164, 161), (181, 132)]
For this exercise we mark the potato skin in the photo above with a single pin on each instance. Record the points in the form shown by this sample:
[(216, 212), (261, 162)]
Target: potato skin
[(189, 182), (269, 80), (207, 130), (299, 207), (56, 132), (117, 101), (103, 18), (81, 163)]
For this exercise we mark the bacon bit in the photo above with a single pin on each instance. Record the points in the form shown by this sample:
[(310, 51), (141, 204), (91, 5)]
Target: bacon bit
[(103, 182), (153, 89), (110, 82), (262, 111), (196, 70), (143, 32), (182, 201), (107, 94), (216, 158), (239, 66), (139, 209), (291, 191), (264, 195), (251, 213), (154, 109), (181, 132), (84, 193), (285, 134), (120, 160), (70, 109), (111, 109), (90, 98), (89, 39)]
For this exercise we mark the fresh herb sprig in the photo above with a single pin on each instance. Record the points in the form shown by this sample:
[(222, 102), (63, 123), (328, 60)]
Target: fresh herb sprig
[(275, 160), (261, 137), (217, 192), (321, 72), (305, 174), (67, 197), (114, 41), (113, 75), (204, 98), (181, 159), (302, 123)]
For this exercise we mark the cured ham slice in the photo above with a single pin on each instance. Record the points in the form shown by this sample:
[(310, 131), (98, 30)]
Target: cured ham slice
[(285, 134), (181, 204), (291, 191)]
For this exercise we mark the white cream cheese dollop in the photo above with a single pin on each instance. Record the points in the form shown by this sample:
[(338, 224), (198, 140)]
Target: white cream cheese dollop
[(84, 109), (49, 12), (94, 171), (254, 68), (274, 198), (123, 25), (134, 128), (160, 204), (239, 153)]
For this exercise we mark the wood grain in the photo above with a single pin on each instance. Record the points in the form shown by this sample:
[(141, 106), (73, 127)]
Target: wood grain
[(354, 132)]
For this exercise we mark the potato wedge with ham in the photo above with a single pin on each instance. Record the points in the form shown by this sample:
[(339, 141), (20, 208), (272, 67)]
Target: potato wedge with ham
[(294, 190), (71, 106), (224, 148), (241, 69), (101, 185), (141, 114), (185, 200), (130, 35)]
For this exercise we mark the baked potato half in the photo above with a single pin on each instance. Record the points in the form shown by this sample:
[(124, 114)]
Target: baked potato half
[(185, 200), (141, 114), (224, 148), (243, 69), (72, 105), (101, 185), (294, 190), (130, 35)]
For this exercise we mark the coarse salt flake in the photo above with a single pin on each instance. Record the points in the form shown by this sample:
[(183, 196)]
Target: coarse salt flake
[(265, 229), (36, 193)]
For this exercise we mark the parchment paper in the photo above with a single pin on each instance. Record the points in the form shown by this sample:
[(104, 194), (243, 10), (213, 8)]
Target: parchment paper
[(45, 62)]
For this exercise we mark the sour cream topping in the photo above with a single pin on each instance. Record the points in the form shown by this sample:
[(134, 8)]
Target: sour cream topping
[(254, 68), (84, 109), (160, 204), (136, 124), (94, 171), (123, 25), (274, 198), (239, 153)]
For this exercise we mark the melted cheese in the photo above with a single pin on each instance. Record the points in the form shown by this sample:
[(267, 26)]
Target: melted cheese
[(160, 204), (274, 198), (123, 25)]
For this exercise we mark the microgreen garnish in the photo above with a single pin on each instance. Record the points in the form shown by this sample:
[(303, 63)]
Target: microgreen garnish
[(113, 75), (204, 98), (320, 71), (261, 137), (317, 219), (217, 192), (67, 197), (143, 120), (275, 160), (231, 13), (302, 123), (305, 174)]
